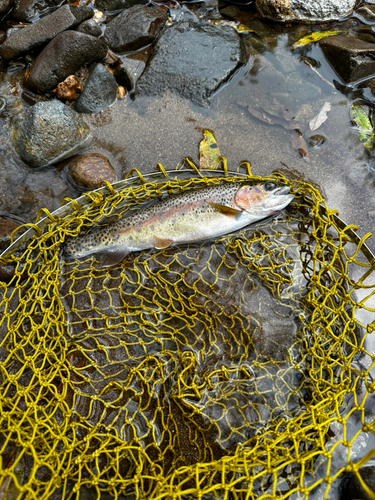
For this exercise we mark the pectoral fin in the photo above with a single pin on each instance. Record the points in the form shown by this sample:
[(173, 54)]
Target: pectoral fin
[(112, 257), (223, 209), (161, 243)]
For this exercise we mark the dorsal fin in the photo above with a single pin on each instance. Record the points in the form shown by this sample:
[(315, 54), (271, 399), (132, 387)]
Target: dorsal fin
[(161, 243), (223, 209)]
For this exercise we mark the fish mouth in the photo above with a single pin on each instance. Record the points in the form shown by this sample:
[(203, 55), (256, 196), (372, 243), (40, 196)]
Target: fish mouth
[(282, 190)]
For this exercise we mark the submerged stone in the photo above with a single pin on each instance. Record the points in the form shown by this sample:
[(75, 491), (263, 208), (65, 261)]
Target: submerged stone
[(350, 57), (134, 28), (64, 56), (48, 132), (43, 30), (99, 92), (193, 60), (315, 141), (304, 10), (90, 170)]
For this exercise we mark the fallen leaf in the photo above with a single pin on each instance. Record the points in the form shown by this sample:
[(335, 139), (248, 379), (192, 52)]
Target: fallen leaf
[(321, 117), (240, 28), (286, 121), (209, 154), (298, 143), (314, 37), (359, 115)]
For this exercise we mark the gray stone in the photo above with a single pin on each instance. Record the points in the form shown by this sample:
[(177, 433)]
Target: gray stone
[(304, 10), (350, 57), (193, 60), (48, 132), (64, 56), (113, 5), (134, 28), (43, 30), (99, 92), (131, 67), (90, 27)]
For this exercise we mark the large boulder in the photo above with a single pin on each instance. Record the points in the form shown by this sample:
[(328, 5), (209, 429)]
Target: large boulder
[(64, 56), (349, 56), (134, 28), (99, 92), (304, 10), (193, 60), (48, 132), (43, 30)]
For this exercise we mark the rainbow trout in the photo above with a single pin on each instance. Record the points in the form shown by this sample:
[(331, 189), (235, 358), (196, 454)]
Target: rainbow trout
[(194, 215)]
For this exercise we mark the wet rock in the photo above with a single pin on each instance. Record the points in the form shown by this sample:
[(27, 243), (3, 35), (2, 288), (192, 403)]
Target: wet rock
[(90, 170), (64, 56), (129, 70), (43, 30), (304, 10), (350, 57), (367, 11), (99, 92), (48, 132), (231, 11), (7, 226), (315, 141), (3, 36), (90, 27), (193, 60), (112, 5), (70, 88), (354, 490), (29, 10), (5, 5), (134, 28)]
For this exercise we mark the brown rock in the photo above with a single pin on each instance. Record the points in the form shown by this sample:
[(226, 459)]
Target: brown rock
[(120, 92), (88, 171), (70, 88), (350, 57)]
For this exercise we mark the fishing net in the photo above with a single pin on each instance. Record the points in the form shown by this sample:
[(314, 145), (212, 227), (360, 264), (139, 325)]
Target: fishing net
[(230, 369)]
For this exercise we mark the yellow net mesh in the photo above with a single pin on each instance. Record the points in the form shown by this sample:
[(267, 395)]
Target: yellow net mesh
[(231, 369)]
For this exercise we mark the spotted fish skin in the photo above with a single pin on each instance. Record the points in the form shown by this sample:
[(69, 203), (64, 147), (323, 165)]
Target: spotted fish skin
[(193, 215)]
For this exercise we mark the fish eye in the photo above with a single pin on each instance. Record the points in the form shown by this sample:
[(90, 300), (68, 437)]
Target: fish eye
[(269, 186)]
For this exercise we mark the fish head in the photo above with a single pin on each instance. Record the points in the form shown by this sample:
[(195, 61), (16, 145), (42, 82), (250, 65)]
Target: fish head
[(263, 199)]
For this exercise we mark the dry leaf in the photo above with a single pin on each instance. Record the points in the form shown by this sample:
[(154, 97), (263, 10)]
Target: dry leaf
[(321, 117), (298, 143)]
